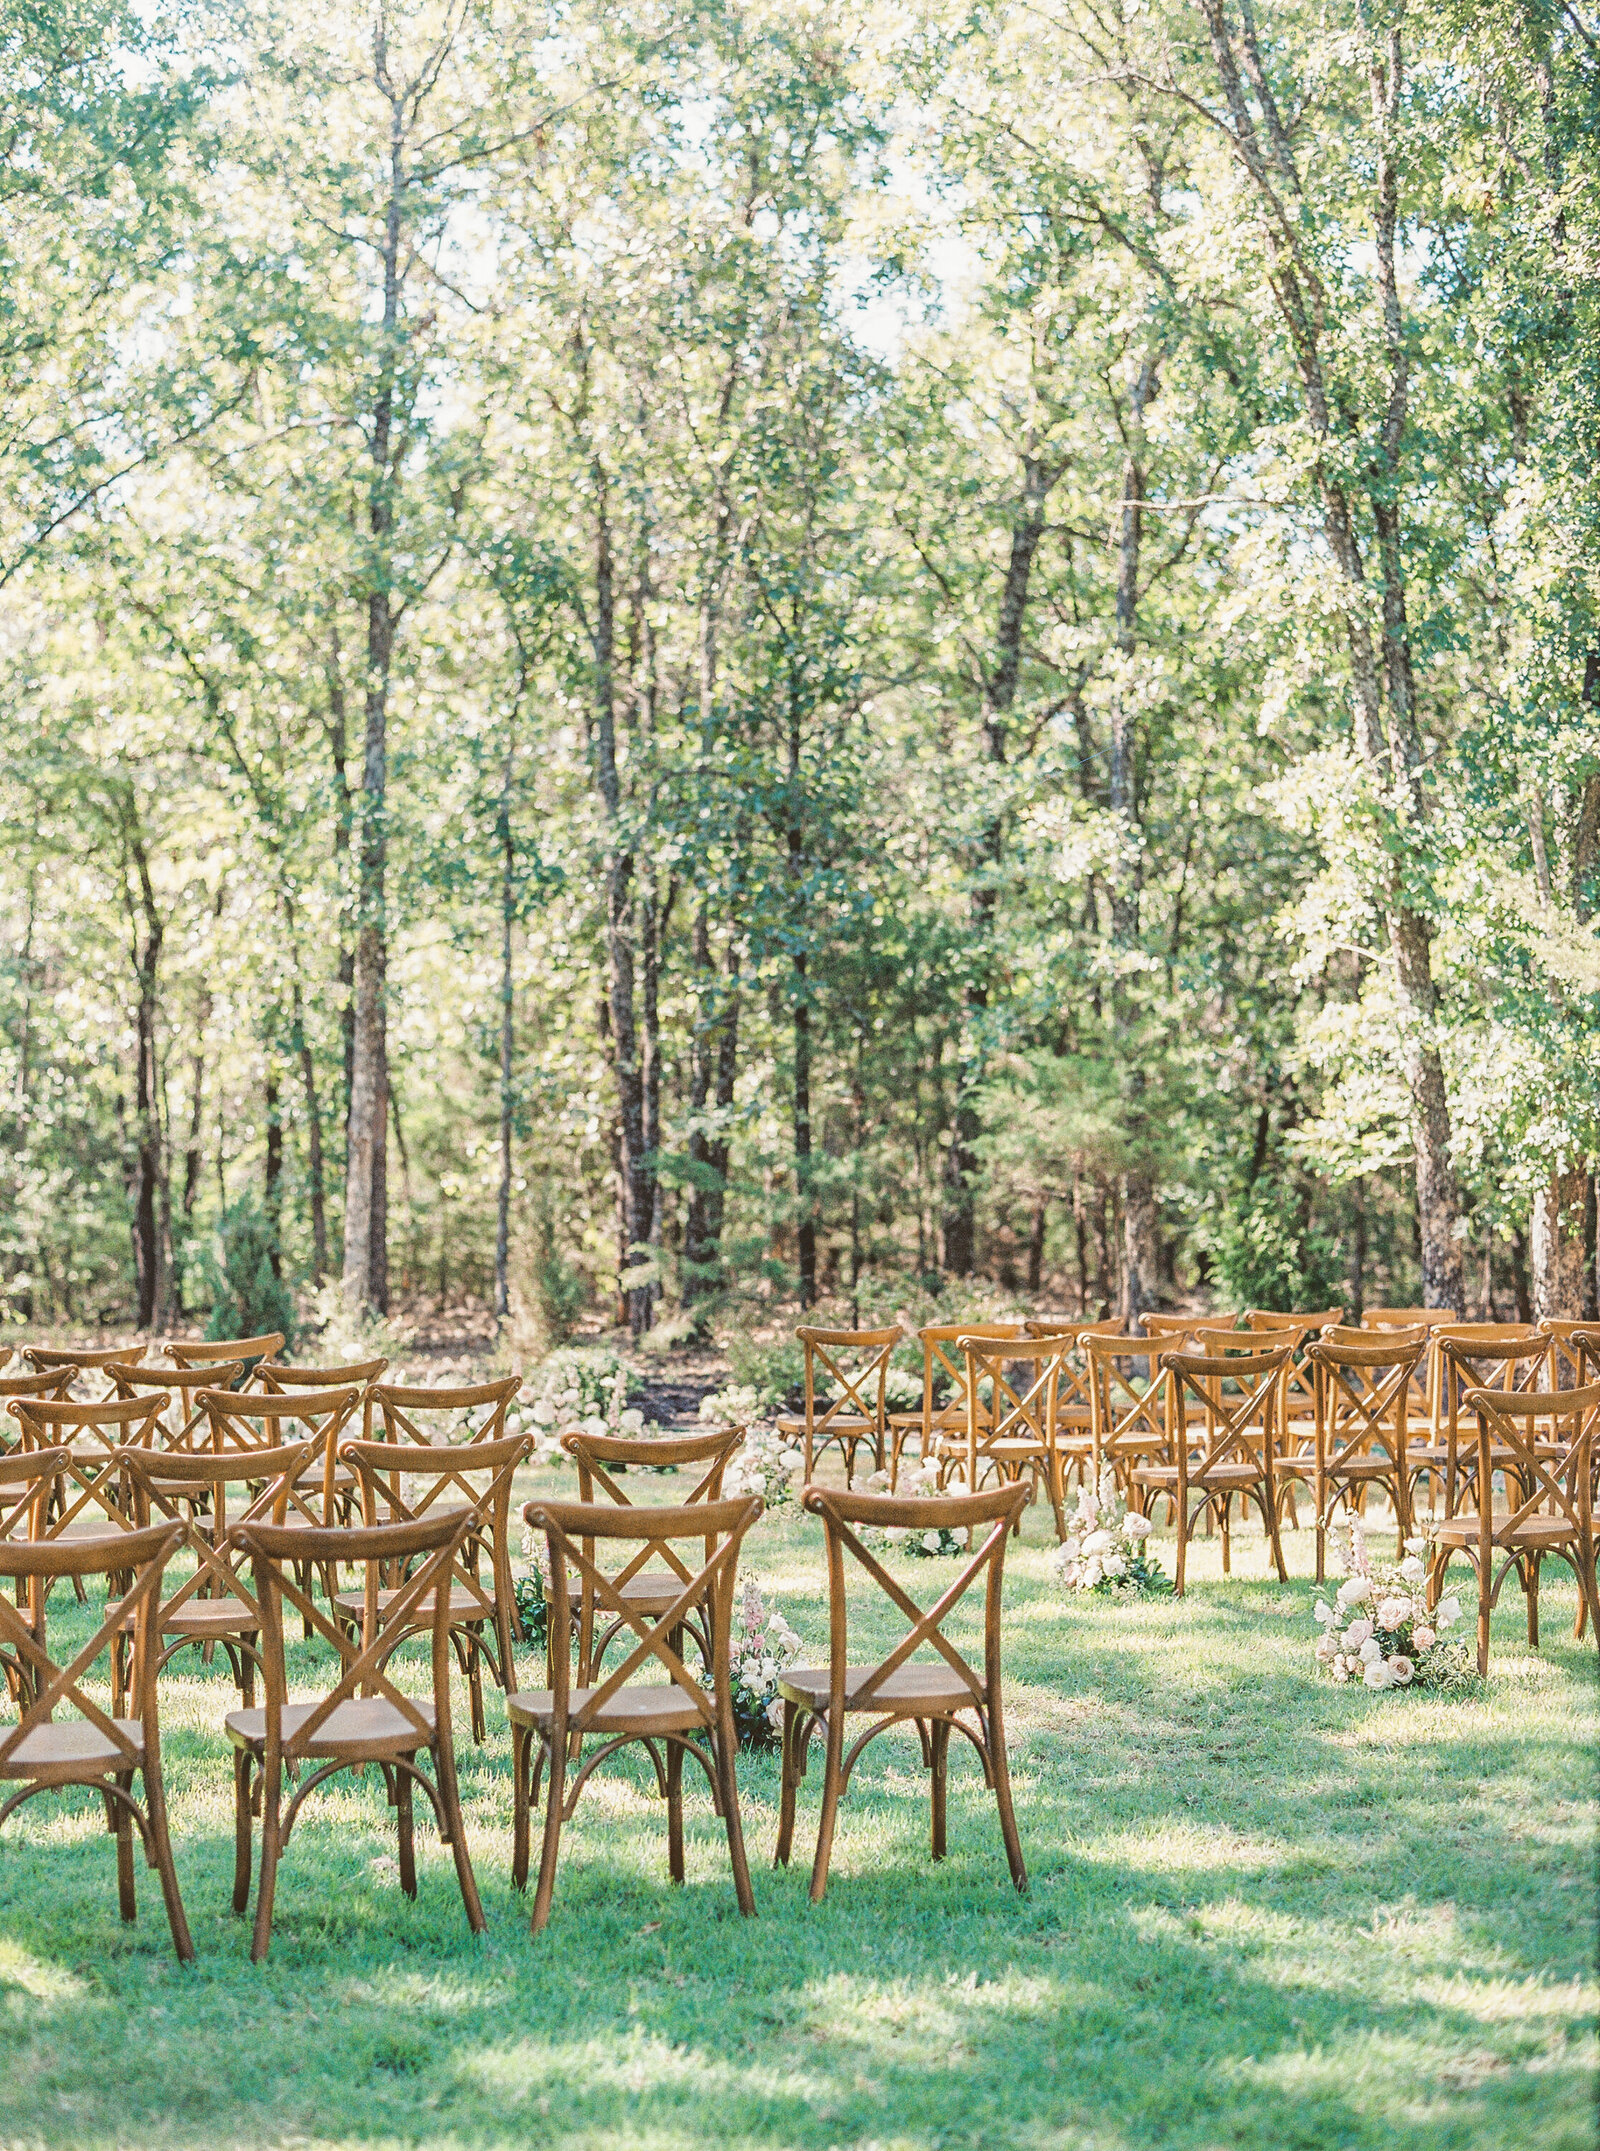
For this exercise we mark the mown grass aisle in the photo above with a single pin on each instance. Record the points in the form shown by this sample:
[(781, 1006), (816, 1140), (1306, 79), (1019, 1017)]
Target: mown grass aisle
[(1265, 1912)]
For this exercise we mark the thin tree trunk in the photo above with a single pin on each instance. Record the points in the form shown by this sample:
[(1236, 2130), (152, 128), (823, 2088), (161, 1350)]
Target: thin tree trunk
[(1036, 1246), (1560, 1274), (806, 1223), (316, 1171), (508, 870), (148, 1197), (272, 1192)]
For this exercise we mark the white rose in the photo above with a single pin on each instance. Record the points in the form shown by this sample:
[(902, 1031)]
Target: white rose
[(894, 1533), (1392, 1612), (1377, 1674), (1401, 1670), (544, 1411), (1098, 1542), (1089, 1574), (775, 1714), (1422, 1639), (1371, 1652), (1354, 1591), (1412, 1569), (931, 1541), (1323, 1612), (1339, 1671), (1115, 1565), (1357, 1633), (632, 1420), (594, 1426), (1327, 1650), (1137, 1527), (1447, 1613)]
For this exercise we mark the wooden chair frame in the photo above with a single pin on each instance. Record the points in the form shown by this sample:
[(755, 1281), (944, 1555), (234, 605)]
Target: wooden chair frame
[(1464, 1354), (1231, 1433), (324, 1413), (185, 1386), (849, 1420), (72, 1361), (94, 1478), (276, 1378), (125, 1748), (646, 1590), (1128, 1423), (547, 1723), (1549, 1497), (1363, 1391), (201, 1353), (817, 1699), (382, 1469), (1017, 1430), (935, 1422), (380, 1725), (28, 1482)]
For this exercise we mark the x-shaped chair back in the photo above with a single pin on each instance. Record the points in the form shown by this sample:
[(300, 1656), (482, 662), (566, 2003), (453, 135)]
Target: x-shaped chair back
[(402, 1484), (94, 1487), (53, 1382), (455, 1415), (1425, 1382), (1299, 1378), (706, 1453), (252, 1350), (1566, 1351), (248, 1420), (571, 1529), (1363, 1387), (1075, 1379), (854, 1364), (1129, 1415), (52, 1686), (1023, 1375), (277, 1378), (1240, 1428), (1508, 1356), (185, 1428), (1543, 1441), (26, 1479), (275, 1550), (82, 1366), (944, 1364), (998, 1507)]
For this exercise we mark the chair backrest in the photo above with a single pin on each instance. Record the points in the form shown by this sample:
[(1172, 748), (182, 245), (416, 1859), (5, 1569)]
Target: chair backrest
[(274, 1550), (571, 1528), (1074, 1391), (73, 1361), (1363, 1383), (1176, 1329), (51, 1686), (275, 1376), (944, 1364), (205, 1352), (402, 1483), (1482, 1355), (51, 1382), (854, 1365), (1546, 1441), (999, 1507), (247, 1420), (1241, 1396), (185, 1427), (1566, 1352), (95, 1436), (27, 1478), (1023, 1379), (707, 1453), (271, 1482), (1263, 1318), (1584, 1343), (455, 1415), (1128, 1410)]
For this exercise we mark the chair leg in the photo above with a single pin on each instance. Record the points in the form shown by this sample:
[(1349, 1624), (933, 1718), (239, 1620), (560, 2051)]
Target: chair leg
[(555, 1796), (522, 1738), (1530, 1586), (406, 1829), (940, 1772), (155, 1796), (1227, 1537), (1484, 1610), (241, 1829), (833, 1770), (444, 1762), (724, 1745), (1276, 1537), (1180, 1517), (675, 1809), (1000, 1769), (124, 1826), (790, 1779), (271, 1809)]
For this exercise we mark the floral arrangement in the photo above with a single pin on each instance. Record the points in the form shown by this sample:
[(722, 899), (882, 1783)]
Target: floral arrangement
[(1380, 1630), (585, 1392), (922, 1484), (532, 1591), (1106, 1547), (763, 1646), (766, 1463)]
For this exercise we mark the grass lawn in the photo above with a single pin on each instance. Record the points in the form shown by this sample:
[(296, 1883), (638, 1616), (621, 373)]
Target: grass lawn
[(1265, 1911)]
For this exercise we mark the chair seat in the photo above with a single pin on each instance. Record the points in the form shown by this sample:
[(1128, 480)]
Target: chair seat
[(361, 1725), (934, 1688), (1215, 1475), (465, 1605), (851, 1424), (1532, 1531), (205, 1617), (631, 1710), (72, 1748)]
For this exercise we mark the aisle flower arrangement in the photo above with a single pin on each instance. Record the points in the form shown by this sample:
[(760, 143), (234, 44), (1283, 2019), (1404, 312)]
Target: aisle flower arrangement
[(575, 1393), (765, 1463), (1106, 1548), (1380, 1630), (920, 1484), (763, 1646)]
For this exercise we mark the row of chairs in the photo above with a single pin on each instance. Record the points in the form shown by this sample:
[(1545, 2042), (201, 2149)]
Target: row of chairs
[(260, 1516)]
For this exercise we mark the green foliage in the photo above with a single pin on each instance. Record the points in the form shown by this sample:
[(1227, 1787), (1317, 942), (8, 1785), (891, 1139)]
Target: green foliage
[(248, 1298), (1266, 1254), (773, 1367)]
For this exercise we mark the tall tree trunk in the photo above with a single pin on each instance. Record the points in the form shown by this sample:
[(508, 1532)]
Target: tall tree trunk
[(999, 694), (1355, 1281), (272, 1187), (650, 920), (1561, 1276), (316, 1170), (148, 1195), (806, 1226), (508, 897)]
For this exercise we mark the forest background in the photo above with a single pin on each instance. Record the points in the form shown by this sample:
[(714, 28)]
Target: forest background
[(658, 661)]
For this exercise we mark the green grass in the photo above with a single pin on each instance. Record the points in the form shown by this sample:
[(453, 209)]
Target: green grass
[(1265, 1912)]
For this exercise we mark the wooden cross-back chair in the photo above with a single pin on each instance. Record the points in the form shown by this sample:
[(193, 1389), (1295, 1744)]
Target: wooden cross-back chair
[(83, 1366), (276, 1377), (940, 1424), (1508, 1356), (1566, 1350), (1013, 1391), (52, 1382), (1363, 1388), (184, 1428), (42, 1753), (407, 1411), (249, 1420), (1228, 1454), (363, 1719), (403, 1483), (214, 1607), (93, 1504), (845, 1408), (1425, 1382), (1299, 1378), (1074, 1405), (1541, 1445), (900, 1688), (28, 1479), (216, 1352), (652, 1578), (1129, 1409), (684, 1715)]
